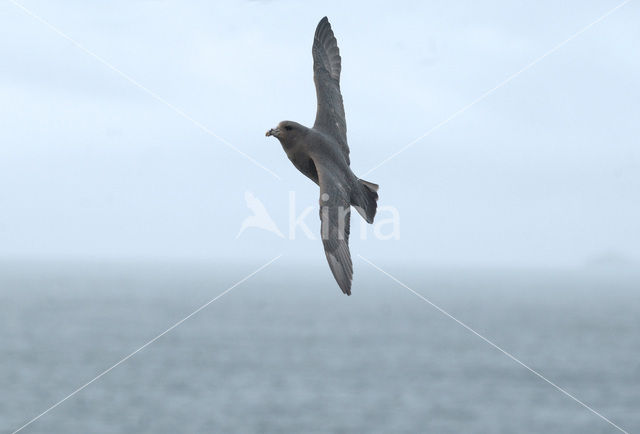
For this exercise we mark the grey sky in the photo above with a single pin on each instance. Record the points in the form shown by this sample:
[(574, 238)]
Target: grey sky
[(545, 171)]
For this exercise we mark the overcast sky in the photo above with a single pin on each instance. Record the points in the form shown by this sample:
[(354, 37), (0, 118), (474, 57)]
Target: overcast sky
[(543, 171)]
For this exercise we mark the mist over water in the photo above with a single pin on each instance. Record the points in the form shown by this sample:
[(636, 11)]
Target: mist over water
[(292, 354)]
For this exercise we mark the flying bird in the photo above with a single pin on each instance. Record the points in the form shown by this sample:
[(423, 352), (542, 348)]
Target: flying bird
[(321, 153)]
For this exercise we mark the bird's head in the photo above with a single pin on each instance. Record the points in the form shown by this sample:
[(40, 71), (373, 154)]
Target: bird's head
[(286, 131)]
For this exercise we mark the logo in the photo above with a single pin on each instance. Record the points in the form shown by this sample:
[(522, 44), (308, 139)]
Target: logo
[(385, 227), (260, 218)]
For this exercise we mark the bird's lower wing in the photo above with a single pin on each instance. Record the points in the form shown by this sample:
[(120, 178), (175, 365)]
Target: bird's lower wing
[(335, 213)]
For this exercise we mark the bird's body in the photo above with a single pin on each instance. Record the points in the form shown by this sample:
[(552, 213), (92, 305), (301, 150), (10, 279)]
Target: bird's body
[(312, 142), (321, 153)]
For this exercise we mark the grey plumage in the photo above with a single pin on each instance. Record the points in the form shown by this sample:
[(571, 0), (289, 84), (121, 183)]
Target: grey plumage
[(322, 154)]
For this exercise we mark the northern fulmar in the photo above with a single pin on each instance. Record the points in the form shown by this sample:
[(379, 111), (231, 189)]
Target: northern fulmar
[(321, 153)]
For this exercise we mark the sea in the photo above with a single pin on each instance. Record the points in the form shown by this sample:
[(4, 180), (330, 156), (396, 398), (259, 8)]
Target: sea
[(486, 350)]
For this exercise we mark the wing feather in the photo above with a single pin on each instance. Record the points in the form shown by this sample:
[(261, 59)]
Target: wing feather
[(335, 216), (327, 64)]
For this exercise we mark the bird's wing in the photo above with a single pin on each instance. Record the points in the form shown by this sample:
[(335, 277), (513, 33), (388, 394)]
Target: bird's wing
[(335, 212), (330, 116)]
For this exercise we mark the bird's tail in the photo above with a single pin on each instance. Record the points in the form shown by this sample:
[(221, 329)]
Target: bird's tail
[(365, 199)]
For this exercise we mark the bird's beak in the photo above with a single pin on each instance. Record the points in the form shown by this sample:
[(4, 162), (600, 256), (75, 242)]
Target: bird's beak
[(272, 132)]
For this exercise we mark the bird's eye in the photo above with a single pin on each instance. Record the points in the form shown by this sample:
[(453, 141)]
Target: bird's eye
[(288, 128)]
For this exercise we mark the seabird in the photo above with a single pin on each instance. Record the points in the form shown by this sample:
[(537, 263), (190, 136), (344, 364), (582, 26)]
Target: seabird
[(321, 153)]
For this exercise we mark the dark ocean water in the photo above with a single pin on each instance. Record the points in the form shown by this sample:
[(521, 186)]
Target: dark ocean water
[(286, 352)]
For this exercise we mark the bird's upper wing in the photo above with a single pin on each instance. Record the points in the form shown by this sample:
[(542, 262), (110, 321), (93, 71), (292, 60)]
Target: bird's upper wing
[(330, 116), (335, 213)]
